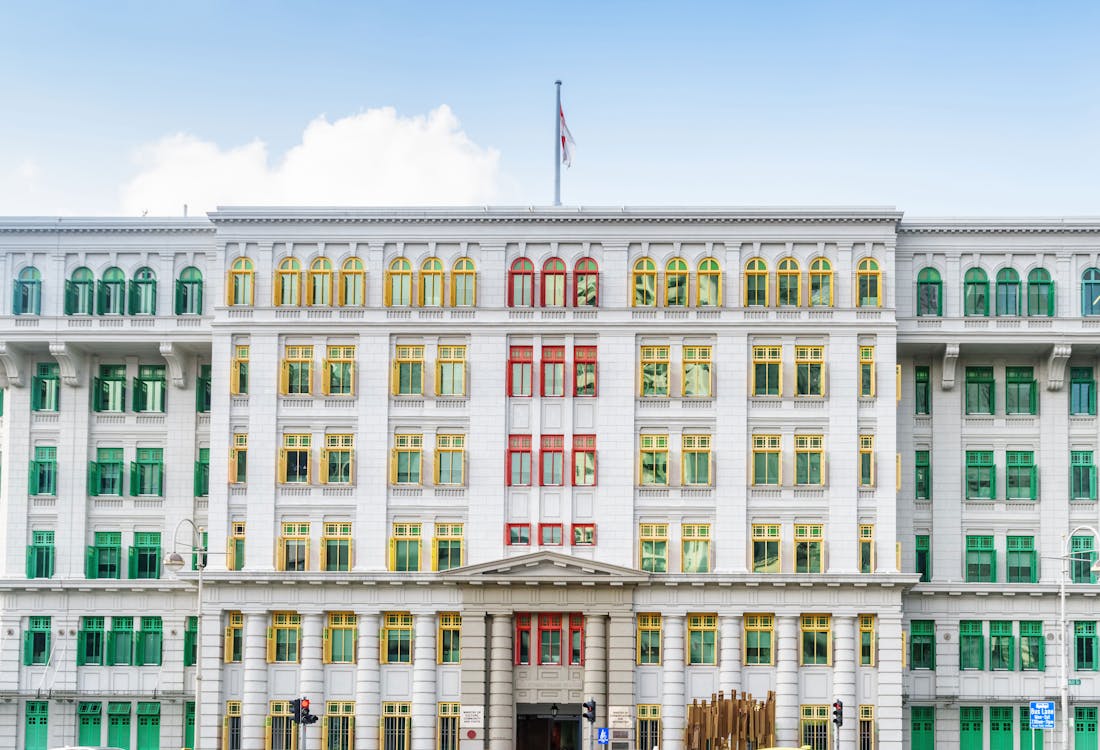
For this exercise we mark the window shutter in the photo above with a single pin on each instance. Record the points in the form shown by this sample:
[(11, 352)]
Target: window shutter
[(30, 562), (32, 478), (270, 647), (100, 297), (139, 647), (109, 647), (90, 567), (28, 638), (70, 297), (1033, 393), (179, 297), (1033, 474), (131, 293), (324, 469), (131, 554), (133, 478), (81, 647), (280, 555), (387, 293), (326, 646), (392, 553), (351, 554)]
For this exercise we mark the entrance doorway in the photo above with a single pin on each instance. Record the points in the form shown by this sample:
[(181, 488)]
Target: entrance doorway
[(538, 728)]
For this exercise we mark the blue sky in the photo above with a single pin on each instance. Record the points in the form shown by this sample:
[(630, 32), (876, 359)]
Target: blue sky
[(935, 107)]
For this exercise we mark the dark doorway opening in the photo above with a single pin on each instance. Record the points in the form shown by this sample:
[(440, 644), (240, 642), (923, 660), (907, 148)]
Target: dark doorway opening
[(538, 728)]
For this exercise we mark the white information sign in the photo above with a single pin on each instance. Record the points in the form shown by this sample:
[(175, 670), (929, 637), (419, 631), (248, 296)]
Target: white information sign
[(621, 717), (473, 717)]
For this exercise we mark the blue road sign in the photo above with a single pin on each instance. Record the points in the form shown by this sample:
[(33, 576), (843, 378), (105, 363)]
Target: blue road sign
[(1042, 715), (602, 736)]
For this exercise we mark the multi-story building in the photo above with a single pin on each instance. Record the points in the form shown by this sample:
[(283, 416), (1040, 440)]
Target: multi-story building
[(459, 471)]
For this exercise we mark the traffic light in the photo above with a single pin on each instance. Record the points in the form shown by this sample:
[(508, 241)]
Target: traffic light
[(589, 711), (307, 717), (838, 713), (296, 710)]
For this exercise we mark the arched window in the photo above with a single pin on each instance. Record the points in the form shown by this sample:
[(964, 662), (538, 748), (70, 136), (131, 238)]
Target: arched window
[(1090, 292), (431, 283), (868, 283), (975, 293), (352, 289), (399, 283), (1040, 293), (788, 283), (111, 292), (464, 283), (586, 276), (521, 283), (189, 292), (27, 299), (80, 292), (553, 283), (821, 283), (756, 283), (709, 280), (1008, 292), (242, 288), (929, 292), (319, 282), (143, 292), (676, 283), (645, 283), (288, 282)]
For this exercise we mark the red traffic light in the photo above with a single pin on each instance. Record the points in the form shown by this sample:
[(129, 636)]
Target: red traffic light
[(305, 704)]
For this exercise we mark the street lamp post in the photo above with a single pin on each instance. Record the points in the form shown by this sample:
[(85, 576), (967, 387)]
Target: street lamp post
[(1095, 568), (174, 563)]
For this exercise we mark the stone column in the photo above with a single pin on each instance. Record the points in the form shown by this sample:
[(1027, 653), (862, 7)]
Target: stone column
[(845, 655), (423, 682), (475, 653), (502, 705), (729, 653), (254, 689), (595, 665), (888, 713), (673, 706), (621, 655), (368, 682), (786, 680), (311, 682)]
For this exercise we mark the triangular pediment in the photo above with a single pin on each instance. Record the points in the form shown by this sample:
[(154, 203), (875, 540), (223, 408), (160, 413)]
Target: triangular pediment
[(548, 567)]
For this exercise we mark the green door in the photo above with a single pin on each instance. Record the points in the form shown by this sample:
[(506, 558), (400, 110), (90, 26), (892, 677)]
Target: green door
[(148, 729), (118, 725), (1000, 728), (89, 723), (922, 723), (1029, 738), (970, 728), (189, 725), (1084, 728), (37, 730)]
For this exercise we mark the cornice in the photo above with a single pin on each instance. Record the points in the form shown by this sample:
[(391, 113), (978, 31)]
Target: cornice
[(104, 225), (1000, 225)]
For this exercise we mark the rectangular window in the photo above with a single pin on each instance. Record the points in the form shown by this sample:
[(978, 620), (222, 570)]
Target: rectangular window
[(41, 555), (971, 645), (519, 461), (1021, 562), (517, 534), (408, 371), (866, 727), (1082, 476), (104, 558), (145, 555), (297, 371), (450, 371), (695, 548), (109, 389), (43, 471), (766, 460), (922, 644), (576, 639), (649, 725), (1021, 391), (405, 548), (922, 476), (338, 723), (550, 534), (923, 557), (238, 458), (450, 459), (90, 642), (584, 534), (120, 641), (235, 546), (339, 638), (519, 370), (549, 635), (814, 727), (339, 367), (653, 547), (190, 641), (396, 726), (336, 545), (447, 546), (281, 732), (867, 640), (1084, 645), (294, 459), (981, 559), (767, 371), (238, 373), (584, 371), (816, 640), (1032, 646), (866, 557), (649, 639), (808, 458), (981, 476), (552, 461), (1021, 475), (695, 460), (234, 638), (1001, 645), (1082, 555), (338, 459), (809, 363), (149, 389), (46, 387), (979, 390), (1082, 391), (523, 638), (759, 639), (147, 473), (584, 460), (765, 548), (653, 459), (449, 648), (201, 479), (447, 733), (654, 372), (294, 546), (284, 637), (808, 542), (148, 647), (105, 473), (922, 392), (702, 639), (697, 372), (866, 460), (36, 641), (405, 465), (553, 371), (866, 371), (202, 390)]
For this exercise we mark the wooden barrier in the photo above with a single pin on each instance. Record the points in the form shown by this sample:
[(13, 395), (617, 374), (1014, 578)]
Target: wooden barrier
[(733, 723)]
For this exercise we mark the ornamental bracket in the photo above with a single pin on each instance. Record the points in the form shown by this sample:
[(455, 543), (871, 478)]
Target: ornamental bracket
[(70, 362), (1056, 366), (950, 360), (11, 366), (173, 356)]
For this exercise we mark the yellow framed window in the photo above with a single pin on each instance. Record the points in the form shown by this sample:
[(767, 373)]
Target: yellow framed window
[(397, 286), (294, 546), (696, 382), (767, 464), (336, 547), (649, 639), (288, 282), (809, 459), (867, 640), (653, 547), (759, 639), (866, 734), (297, 371), (709, 280), (809, 542), (821, 283), (813, 726), (868, 283), (676, 283), (756, 283), (695, 548), (649, 725), (407, 459), (653, 460), (653, 374), (866, 460), (447, 725), (339, 378), (867, 371), (450, 371), (431, 285), (234, 559), (809, 367), (238, 375), (765, 548), (396, 726), (448, 546), (339, 638), (702, 639), (319, 282), (767, 371), (294, 459), (352, 287), (408, 371), (280, 729), (338, 459), (788, 283), (405, 548), (233, 643), (450, 459), (397, 638), (866, 548), (695, 460), (238, 458), (817, 640), (644, 283), (241, 289), (231, 726), (338, 726), (284, 637), (464, 283), (449, 642)]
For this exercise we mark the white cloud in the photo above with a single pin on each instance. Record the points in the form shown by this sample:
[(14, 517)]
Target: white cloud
[(372, 158)]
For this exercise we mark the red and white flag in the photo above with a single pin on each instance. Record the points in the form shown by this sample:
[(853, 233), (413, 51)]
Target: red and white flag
[(568, 145)]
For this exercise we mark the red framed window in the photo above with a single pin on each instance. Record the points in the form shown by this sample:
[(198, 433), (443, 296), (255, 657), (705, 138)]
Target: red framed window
[(586, 283), (517, 534), (552, 461), (523, 638), (553, 371), (576, 639), (584, 535), (584, 371), (518, 469), (519, 370), (550, 534), (521, 283), (584, 460), (553, 283), (549, 639)]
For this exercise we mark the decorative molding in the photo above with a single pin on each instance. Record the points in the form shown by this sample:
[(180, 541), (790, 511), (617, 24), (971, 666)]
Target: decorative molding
[(70, 362), (12, 363), (1056, 366), (132, 225), (174, 358), (950, 360), (999, 226)]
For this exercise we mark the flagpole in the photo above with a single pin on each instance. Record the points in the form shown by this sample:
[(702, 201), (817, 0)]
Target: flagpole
[(557, 145)]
